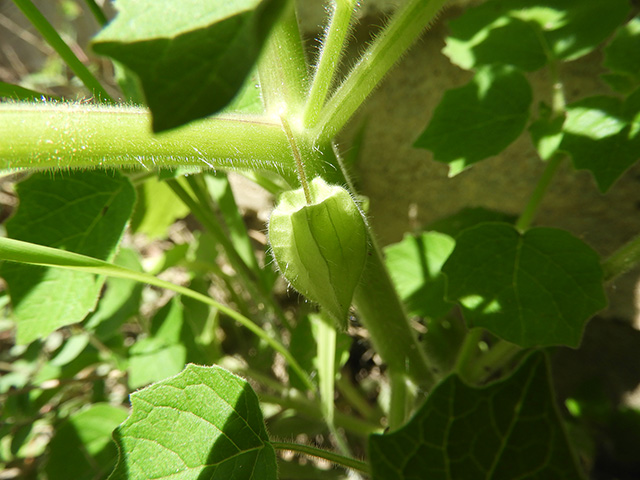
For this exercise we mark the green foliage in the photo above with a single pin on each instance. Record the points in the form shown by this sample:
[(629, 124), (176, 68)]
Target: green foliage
[(431, 328), (191, 57), (203, 422), (478, 120), (450, 437), (527, 35), (601, 133), (82, 447), (84, 212), (533, 289), (622, 57), (416, 269)]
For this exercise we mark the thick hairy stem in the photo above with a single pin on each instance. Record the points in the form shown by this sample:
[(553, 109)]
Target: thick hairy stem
[(70, 135)]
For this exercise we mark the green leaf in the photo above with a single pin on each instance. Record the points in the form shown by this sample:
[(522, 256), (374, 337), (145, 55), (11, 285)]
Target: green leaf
[(601, 134), (510, 429), (622, 56), (468, 217), (160, 355), (527, 35), (82, 448), (203, 423), (478, 120), (414, 265), (81, 212), (546, 133), (484, 36), (192, 57), (157, 208), (16, 92), (120, 300), (532, 289)]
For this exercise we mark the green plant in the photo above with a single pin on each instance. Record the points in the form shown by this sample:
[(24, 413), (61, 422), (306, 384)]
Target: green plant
[(470, 398)]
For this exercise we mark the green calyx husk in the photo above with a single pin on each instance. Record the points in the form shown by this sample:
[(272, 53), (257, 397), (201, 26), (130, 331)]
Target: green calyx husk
[(320, 246)]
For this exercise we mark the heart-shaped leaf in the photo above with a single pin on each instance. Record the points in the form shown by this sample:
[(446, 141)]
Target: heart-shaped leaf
[(203, 423), (510, 429), (532, 289), (478, 120)]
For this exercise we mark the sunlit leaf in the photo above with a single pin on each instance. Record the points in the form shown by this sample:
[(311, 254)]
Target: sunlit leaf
[(203, 423), (601, 134), (478, 120), (532, 289)]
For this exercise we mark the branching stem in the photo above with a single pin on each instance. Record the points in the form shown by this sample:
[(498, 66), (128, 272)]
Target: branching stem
[(622, 260), (328, 60), (529, 212), (403, 30), (298, 158)]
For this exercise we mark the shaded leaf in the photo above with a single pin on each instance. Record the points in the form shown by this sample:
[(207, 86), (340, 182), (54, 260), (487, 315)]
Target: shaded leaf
[(483, 37), (468, 217), (510, 429), (160, 355), (414, 265), (478, 120), (601, 134), (192, 57), (527, 36), (81, 212), (82, 448), (157, 209), (622, 56), (203, 423), (16, 92), (532, 289)]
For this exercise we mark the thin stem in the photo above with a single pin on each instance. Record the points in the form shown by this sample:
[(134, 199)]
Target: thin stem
[(24, 252), (356, 399), (328, 60), (529, 212), (97, 12), (296, 155), (53, 38), (341, 460), (313, 411), (382, 313), (398, 402), (403, 30), (208, 219), (622, 260), (73, 135), (498, 356), (326, 341), (469, 351)]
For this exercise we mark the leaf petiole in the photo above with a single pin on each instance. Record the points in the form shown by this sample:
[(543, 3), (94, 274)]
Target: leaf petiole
[(341, 460)]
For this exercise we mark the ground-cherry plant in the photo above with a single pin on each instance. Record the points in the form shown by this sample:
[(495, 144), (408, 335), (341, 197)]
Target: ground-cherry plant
[(428, 358)]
